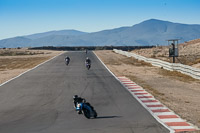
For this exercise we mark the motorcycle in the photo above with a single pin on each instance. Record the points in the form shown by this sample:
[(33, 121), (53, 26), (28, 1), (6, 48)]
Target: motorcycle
[(88, 66), (86, 109), (67, 62)]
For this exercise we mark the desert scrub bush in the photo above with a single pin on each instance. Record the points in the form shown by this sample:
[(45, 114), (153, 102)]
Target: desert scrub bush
[(162, 55), (153, 56)]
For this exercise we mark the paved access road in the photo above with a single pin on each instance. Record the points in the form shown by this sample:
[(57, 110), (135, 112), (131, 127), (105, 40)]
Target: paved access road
[(40, 101)]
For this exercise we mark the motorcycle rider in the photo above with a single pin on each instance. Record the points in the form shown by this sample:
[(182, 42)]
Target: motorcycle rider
[(78, 100), (85, 106), (67, 59), (88, 61)]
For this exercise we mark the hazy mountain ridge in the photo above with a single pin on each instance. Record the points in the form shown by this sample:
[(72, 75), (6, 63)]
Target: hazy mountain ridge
[(15, 42), (150, 32), (60, 32)]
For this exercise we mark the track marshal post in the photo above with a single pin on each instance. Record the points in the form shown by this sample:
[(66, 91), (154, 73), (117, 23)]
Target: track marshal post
[(173, 50)]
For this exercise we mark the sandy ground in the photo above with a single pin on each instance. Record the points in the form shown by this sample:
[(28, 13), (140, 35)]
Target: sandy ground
[(11, 66), (177, 91)]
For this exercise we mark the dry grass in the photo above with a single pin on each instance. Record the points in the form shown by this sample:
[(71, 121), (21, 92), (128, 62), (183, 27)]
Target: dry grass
[(23, 58), (11, 59), (17, 53), (135, 62), (20, 52), (176, 75), (113, 62), (126, 60), (20, 63), (16, 61)]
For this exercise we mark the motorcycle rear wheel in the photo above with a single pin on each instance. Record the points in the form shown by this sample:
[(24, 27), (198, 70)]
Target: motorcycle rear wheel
[(95, 114), (86, 113)]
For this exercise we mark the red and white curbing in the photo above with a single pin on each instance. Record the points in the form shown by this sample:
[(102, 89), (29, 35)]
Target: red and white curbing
[(160, 112)]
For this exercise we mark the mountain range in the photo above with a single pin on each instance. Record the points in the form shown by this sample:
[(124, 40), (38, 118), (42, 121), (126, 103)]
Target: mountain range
[(149, 32)]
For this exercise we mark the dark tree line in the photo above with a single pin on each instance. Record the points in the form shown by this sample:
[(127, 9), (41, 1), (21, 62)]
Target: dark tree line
[(78, 48)]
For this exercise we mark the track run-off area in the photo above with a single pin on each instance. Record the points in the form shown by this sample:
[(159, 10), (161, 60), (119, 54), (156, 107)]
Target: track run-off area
[(40, 100)]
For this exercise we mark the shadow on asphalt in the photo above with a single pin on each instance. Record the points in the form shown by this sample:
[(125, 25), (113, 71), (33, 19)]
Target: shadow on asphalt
[(105, 117)]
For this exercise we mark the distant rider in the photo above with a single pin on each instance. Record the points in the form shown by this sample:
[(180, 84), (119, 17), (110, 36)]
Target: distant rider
[(67, 59), (88, 61)]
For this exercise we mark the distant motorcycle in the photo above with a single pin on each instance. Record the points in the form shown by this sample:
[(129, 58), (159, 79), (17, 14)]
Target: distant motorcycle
[(88, 66), (67, 61), (86, 109)]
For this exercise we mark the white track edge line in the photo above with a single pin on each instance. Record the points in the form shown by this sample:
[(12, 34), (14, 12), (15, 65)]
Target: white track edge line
[(171, 130)]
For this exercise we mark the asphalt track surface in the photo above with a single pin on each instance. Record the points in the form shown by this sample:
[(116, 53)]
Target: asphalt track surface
[(40, 101)]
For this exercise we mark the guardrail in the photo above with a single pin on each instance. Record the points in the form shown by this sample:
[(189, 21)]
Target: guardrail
[(188, 70)]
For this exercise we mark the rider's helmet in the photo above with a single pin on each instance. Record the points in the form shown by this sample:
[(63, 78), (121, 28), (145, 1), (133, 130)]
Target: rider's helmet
[(75, 96), (87, 58)]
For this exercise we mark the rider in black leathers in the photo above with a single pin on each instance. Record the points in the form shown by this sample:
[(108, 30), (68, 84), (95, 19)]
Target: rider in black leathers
[(88, 61), (78, 100), (67, 59)]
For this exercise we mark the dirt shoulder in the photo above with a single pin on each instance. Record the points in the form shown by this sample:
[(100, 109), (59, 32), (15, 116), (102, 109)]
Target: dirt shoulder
[(14, 62), (177, 91)]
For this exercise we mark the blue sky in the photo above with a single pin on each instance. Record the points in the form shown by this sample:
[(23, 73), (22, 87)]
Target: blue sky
[(23, 17)]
